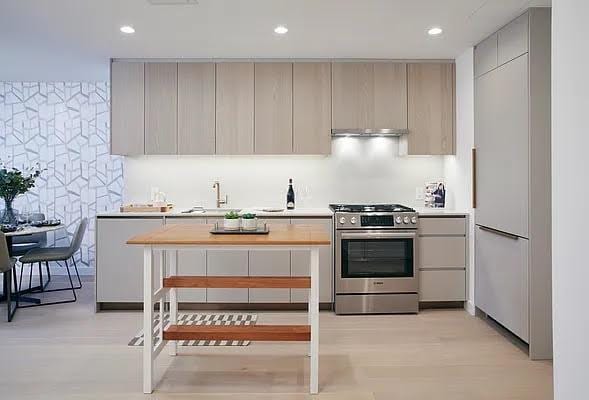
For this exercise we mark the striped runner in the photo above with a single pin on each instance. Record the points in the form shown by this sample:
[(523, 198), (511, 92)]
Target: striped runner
[(200, 319)]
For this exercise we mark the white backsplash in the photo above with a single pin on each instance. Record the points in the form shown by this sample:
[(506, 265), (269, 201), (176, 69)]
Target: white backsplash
[(358, 170)]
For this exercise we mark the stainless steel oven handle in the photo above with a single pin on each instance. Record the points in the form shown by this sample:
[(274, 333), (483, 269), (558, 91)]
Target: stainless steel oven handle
[(379, 235)]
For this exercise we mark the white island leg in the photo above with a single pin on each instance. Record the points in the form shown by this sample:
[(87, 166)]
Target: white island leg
[(314, 314), (173, 271), (147, 320)]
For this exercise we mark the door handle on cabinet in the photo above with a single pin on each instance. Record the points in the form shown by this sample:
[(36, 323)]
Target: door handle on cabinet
[(497, 232)]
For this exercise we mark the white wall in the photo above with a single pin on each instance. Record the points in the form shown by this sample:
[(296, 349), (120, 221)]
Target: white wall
[(458, 168), (359, 170), (570, 141)]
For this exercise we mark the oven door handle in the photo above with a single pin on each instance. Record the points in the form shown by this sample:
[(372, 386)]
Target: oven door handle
[(379, 235)]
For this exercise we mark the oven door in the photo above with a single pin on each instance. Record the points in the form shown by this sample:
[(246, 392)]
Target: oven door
[(376, 262)]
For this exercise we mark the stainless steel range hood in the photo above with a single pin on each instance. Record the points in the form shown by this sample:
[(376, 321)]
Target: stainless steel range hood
[(388, 132)]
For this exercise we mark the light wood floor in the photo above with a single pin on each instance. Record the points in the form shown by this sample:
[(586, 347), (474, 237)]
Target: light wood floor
[(69, 352)]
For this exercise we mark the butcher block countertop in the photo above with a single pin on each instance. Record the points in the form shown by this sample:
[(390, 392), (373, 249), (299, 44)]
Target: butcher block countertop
[(199, 234)]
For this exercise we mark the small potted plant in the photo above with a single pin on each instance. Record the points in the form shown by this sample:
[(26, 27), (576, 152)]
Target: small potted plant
[(14, 182), (249, 222), (231, 221)]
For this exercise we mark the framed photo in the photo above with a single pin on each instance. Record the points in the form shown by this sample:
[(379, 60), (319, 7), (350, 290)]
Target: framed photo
[(435, 195)]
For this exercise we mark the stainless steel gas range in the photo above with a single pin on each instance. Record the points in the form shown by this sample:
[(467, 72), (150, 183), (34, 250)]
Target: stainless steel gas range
[(375, 259)]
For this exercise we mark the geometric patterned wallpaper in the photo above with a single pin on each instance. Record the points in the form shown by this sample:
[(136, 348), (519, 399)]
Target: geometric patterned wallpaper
[(65, 127)]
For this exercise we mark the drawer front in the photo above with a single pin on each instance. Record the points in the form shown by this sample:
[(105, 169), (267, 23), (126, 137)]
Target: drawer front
[(443, 285), (501, 280), (442, 252), (442, 226)]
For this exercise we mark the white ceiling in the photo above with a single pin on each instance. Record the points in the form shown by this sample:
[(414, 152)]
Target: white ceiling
[(58, 37)]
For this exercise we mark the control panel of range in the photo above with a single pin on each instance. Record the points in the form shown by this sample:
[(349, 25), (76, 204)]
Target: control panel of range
[(402, 220)]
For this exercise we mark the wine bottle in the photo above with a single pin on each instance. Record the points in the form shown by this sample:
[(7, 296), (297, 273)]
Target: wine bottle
[(290, 197)]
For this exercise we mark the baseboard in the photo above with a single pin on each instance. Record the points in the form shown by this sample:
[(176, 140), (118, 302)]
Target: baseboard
[(470, 307)]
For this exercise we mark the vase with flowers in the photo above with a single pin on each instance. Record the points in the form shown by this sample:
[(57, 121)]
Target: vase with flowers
[(14, 182)]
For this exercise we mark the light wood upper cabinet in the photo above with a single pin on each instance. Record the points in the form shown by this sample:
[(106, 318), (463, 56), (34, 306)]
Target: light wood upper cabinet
[(235, 108), (127, 113), (369, 95), (161, 105), (273, 108), (311, 108), (430, 108), (196, 108)]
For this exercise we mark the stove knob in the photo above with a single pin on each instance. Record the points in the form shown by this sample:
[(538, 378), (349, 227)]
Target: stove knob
[(342, 220), (398, 220), (353, 220), (413, 220), (406, 220)]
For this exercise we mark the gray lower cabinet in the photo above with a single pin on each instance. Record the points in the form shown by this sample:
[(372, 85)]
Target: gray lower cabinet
[(119, 267), (502, 279), (300, 266), (442, 258), (191, 262), (270, 263), (226, 263)]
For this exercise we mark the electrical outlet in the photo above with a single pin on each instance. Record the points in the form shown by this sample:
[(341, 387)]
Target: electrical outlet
[(419, 193)]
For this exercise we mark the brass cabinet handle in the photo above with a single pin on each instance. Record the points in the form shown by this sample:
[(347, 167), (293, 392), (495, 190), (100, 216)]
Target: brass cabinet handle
[(474, 177)]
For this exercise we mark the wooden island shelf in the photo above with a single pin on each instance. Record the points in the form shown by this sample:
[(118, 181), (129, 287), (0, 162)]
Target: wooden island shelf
[(266, 333)]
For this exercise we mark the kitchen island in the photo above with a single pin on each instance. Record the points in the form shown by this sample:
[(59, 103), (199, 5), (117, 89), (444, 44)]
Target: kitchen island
[(165, 241)]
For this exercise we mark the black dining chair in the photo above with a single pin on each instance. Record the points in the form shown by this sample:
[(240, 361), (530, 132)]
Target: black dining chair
[(7, 270), (64, 254)]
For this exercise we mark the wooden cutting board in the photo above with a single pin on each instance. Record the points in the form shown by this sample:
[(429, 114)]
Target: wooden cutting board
[(145, 208)]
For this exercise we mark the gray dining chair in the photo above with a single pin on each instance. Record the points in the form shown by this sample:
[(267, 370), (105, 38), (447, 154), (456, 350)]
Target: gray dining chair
[(64, 254), (7, 271), (21, 244)]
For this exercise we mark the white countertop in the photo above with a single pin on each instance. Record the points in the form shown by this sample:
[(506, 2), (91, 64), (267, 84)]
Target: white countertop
[(317, 212), (449, 212), (177, 212)]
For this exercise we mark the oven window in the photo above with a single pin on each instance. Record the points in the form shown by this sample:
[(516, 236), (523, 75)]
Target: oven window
[(377, 258)]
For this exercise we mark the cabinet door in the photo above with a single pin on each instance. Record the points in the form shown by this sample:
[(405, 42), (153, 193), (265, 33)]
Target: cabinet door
[(235, 108), (501, 280), (196, 108), (273, 108), (501, 140), (127, 108), (311, 108), (431, 108), (269, 263), (512, 40), (300, 260), (191, 262), (485, 55), (119, 266), (161, 106), (369, 95), (226, 263)]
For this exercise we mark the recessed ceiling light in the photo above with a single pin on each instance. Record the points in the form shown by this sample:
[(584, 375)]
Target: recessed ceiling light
[(127, 29), (435, 31), (281, 29)]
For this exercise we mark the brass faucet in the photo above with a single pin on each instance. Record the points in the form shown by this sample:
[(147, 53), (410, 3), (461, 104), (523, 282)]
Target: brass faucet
[(217, 187)]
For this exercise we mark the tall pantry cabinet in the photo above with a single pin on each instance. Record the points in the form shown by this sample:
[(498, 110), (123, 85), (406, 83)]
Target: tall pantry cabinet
[(512, 179)]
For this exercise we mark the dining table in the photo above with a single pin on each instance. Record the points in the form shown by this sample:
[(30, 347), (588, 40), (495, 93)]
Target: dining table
[(21, 231)]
